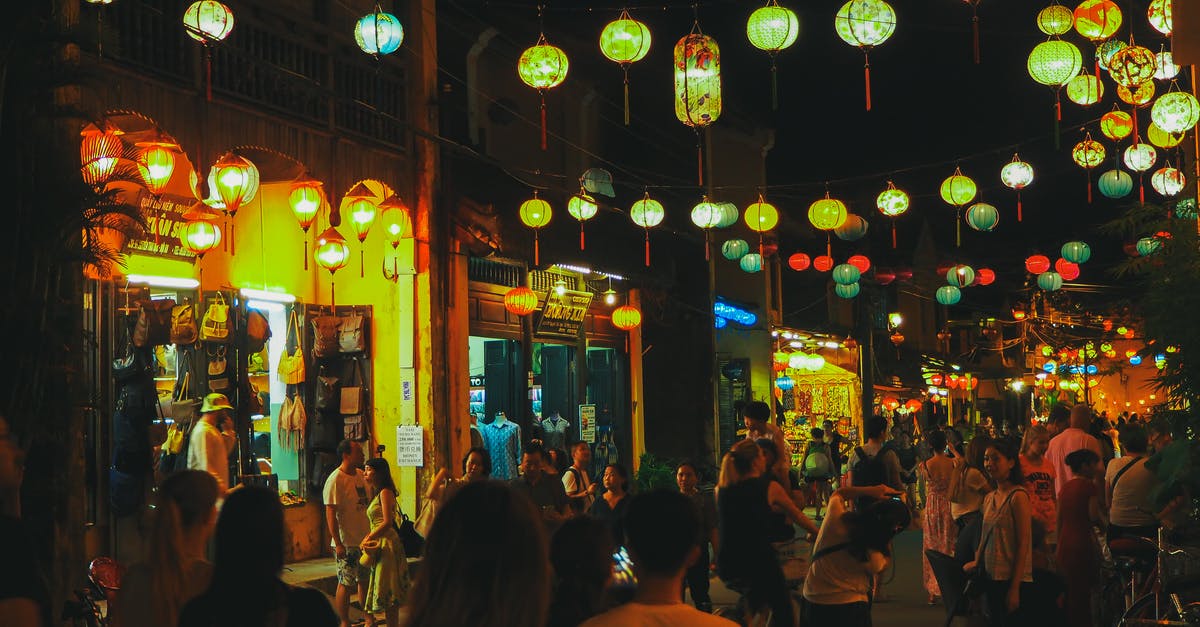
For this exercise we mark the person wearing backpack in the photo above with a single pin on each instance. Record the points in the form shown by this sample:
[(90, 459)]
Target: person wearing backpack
[(872, 463), (818, 468)]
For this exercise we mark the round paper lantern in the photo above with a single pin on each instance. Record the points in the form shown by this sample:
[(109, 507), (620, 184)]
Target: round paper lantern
[(958, 189), (98, 155), (1016, 174), (396, 220), (735, 249), (156, 164), (1175, 112), (1067, 270), (1097, 20), (751, 262), (948, 295), (1076, 252), (647, 213), (1161, 138), (1085, 90), (915, 405), (1132, 65), (985, 276), (827, 213), (1159, 15), (362, 216), (772, 28), (865, 23), (626, 317), (1115, 184), (706, 215), (1116, 124), (847, 290), (727, 215), (1050, 281), (785, 383), (1054, 62), (960, 275), (535, 212), (1037, 264), (697, 80), (1106, 50), (799, 262), (1140, 157), (860, 261), (1088, 153), (331, 253), (845, 274), (378, 33), (853, 229), (236, 180), (1168, 181), (543, 66), (1147, 246), (982, 217), (1166, 68), (1138, 96), (761, 216), (892, 202), (582, 207), (1055, 20), (208, 21), (201, 234), (822, 263), (520, 301), (625, 40)]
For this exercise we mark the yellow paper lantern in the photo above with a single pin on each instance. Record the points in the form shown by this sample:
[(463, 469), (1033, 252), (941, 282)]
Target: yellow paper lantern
[(1176, 112), (625, 41), (1132, 65), (1161, 138), (1159, 15), (1055, 20), (201, 234), (697, 80), (156, 164), (235, 179), (827, 213), (772, 28), (582, 207), (1054, 62), (1138, 96), (626, 317), (396, 220), (332, 253), (535, 212), (761, 215), (305, 197), (865, 24), (1097, 20), (958, 189), (1088, 153), (1116, 124), (1085, 90), (542, 66)]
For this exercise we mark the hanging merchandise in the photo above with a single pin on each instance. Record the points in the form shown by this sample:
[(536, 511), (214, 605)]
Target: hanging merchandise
[(293, 422), (985, 276), (761, 216), (860, 261), (184, 331), (1076, 252), (823, 263), (542, 67), (1161, 138), (1132, 65), (215, 325), (520, 301), (697, 61), (827, 214), (235, 180), (352, 337), (982, 217), (201, 235), (325, 336), (1017, 175), (626, 317), (1097, 20), (291, 367), (156, 163), (865, 24), (1050, 281), (1088, 154), (848, 290), (773, 28), (625, 41), (1106, 50), (960, 275), (535, 214), (751, 262), (706, 215), (1140, 158), (892, 202), (948, 295), (1166, 69), (582, 207), (1175, 112), (1137, 96), (362, 210), (845, 274), (1085, 90), (958, 190), (1054, 63), (1067, 270), (1037, 264), (331, 253), (799, 262), (99, 152), (378, 33), (647, 213)]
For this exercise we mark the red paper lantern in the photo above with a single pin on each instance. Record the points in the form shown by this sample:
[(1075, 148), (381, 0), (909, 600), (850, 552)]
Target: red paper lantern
[(1068, 270), (520, 301), (626, 317), (1108, 325), (891, 403), (936, 379), (860, 261), (1037, 264), (897, 338), (985, 276), (884, 276), (799, 262), (824, 263), (913, 405)]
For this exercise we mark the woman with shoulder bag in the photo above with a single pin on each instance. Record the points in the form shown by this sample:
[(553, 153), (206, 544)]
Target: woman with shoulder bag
[(1005, 554), (382, 549), (968, 485)]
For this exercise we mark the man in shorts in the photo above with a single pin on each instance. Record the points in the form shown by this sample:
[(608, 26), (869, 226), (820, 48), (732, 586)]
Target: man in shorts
[(345, 498)]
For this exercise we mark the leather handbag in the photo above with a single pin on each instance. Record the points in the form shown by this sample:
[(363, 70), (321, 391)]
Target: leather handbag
[(153, 323), (327, 391), (350, 401), (291, 365), (258, 330), (183, 325), (325, 335), (217, 380), (350, 334), (183, 404), (293, 422), (215, 326)]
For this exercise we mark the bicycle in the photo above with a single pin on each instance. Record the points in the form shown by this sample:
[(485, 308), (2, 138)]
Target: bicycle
[(1173, 599)]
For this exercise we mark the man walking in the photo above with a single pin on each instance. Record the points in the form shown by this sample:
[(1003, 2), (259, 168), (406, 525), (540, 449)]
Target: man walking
[(575, 479), (345, 497), (212, 439), (755, 416), (546, 493), (1070, 440)]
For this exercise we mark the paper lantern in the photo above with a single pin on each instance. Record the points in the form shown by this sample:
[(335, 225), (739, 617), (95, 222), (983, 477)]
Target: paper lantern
[(305, 197), (535, 213), (1159, 15), (378, 33), (625, 41), (751, 262), (853, 229), (1054, 62), (1132, 65), (958, 190), (892, 202), (847, 290), (1147, 246), (1076, 252), (156, 164), (785, 383), (99, 152), (798, 262), (1017, 175), (1055, 20), (1097, 20), (1116, 124), (1085, 90), (865, 24), (208, 21), (1106, 50), (362, 216), (1176, 112), (1168, 181), (985, 276), (1165, 69), (860, 261), (822, 263), (827, 213), (960, 275), (761, 215), (396, 220), (1067, 270), (1161, 138), (982, 217), (1115, 184), (582, 207), (845, 274), (626, 317), (1050, 281), (236, 180), (647, 213), (543, 66), (332, 253), (948, 295), (728, 215), (520, 301), (915, 405), (1088, 153), (1037, 264), (697, 80), (201, 234), (772, 28), (735, 249), (1138, 96), (1140, 157), (705, 214)]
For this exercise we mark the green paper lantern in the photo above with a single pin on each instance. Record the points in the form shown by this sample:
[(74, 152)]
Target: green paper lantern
[(1085, 90), (845, 274), (958, 190), (1175, 112), (647, 213), (892, 202), (948, 295), (960, 275), (697, 80), (1147, 246), (1076, 252), (729, 215), (735, 249), (1106, 50), (827, 213), (849, 290), (543, 66), (1054, 62), (706, 215), (1159, 15), (982, 217), (1140, 157), (1115, 184), (751, 262), (207, 21), (1088, 153), (772, 28), (1097, 20), (1167, 69), (625, 40), (378, 33), (1050, 281), (761, 216), (1055, 20), (865, 23), (1168, 181), (854, 229)]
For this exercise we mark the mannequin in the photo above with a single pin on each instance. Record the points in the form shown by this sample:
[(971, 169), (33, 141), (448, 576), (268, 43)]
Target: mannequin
[(502, 438), (554, 431)]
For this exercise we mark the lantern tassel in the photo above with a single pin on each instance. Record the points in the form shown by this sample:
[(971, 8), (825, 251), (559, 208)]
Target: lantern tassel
[(1141, 190), (1136, 135), (647, 249), (536, 252), (1019, 206), (1089, 184), (867, 79), (707, 244), (207, 73), (543, 114), (975, 37), (362, 261), (828, 246), (893, 235), (627, 97), (774, 86), (232, 240), (699, 160), (332, 292), (306, 252), (581, 242), (958, 229)]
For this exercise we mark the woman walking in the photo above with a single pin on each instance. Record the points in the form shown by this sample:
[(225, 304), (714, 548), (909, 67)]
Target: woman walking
[(938, 526), (1078, 551), (389, 585), (968, 486), (1006, 547), (610, 507), (1039, 480)]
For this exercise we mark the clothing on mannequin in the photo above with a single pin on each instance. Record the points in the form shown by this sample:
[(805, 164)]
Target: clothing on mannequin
[(502, 439), (554, 431)]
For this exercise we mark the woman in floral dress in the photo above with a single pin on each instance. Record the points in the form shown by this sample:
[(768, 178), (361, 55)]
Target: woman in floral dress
[(390, 582), (938, 526)]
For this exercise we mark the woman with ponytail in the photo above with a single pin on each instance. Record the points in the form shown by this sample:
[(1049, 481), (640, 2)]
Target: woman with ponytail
[(153, 592)]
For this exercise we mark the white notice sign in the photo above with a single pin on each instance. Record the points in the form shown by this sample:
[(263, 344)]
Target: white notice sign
[(410, 446), (587, 423)]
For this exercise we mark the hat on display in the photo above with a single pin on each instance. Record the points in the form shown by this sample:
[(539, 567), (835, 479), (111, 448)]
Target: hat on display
[(214, 402)]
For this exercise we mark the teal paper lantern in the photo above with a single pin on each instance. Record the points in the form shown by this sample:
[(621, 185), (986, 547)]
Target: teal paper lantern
[(1115, 184), (853, 229), (785, 383), (727, 215), (849, 290), (982, 217), (1147, 246), (735, 249), (1050, 281), (751, 262), (378, 33), (1076, 252), (948, 295), (845, 274), (960, 275)]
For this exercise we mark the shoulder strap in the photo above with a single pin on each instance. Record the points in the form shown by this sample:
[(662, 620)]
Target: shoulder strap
[(862, 455), (1122, 471), (988, 538), (833, 548)]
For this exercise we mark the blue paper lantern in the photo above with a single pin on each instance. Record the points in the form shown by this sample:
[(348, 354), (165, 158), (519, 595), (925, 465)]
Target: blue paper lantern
[(960, 275), (751, 262), (1050, 367), (845, 274), (849, 290), (1093, 369), (1115, 184), (853, 229), (1050, 281), (948, 295), (785, 383), (378, 33), (982, 217), (1147, 246), (1136, 360), (735, 249), (1076, 252)]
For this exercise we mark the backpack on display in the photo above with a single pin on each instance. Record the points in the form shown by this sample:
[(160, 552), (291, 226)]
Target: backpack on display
[(350, 335), (154, 322), (215, 326), (327, 392), (818, 464), (183, 325), (325, 336), (258, 330)]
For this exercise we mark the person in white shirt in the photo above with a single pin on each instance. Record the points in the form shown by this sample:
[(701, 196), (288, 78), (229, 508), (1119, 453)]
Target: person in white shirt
[(211, 441), (578, 485), (345, 497), (663, 533)]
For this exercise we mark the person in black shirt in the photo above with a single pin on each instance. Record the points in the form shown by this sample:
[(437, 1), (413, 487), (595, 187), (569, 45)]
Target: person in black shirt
[(24, 597)]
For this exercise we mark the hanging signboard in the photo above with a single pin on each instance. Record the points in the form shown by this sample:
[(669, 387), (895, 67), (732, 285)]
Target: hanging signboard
[(164, 226), (563, 314), (587, 423)]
